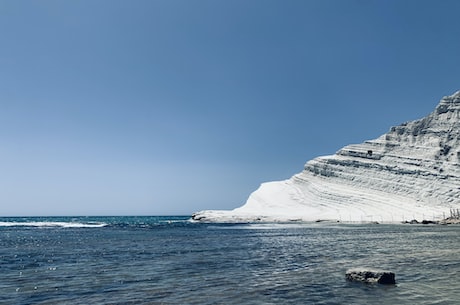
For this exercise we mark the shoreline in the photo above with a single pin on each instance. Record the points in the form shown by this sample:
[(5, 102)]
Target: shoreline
[(232, 217), (266, 220)]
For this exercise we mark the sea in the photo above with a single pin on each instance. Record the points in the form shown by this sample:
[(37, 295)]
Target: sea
[(172, 260)]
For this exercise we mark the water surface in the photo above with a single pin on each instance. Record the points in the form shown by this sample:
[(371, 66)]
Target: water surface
[(169, 260)]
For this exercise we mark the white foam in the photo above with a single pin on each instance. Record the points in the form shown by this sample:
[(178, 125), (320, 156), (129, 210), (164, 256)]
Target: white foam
[(51, 224)]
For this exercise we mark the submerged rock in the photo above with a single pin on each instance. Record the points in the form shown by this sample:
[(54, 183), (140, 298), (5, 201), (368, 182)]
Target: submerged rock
[(371, 276)]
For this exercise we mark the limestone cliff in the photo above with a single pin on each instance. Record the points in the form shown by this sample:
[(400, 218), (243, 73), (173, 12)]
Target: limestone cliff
[(413, 171)]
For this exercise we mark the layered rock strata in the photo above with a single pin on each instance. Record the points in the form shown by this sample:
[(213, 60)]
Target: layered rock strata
[(411, 172)]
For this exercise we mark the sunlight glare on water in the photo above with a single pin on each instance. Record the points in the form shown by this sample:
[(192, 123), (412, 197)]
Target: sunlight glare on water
[(172, 261)]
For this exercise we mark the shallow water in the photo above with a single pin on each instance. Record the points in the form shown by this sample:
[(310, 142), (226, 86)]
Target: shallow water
[(168, 260)]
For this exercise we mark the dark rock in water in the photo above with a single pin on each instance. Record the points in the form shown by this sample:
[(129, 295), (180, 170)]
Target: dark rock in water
[(198, 217), (425, 222), (371, 276)]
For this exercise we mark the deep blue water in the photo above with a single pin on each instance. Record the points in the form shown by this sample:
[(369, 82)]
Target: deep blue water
[(169, 260)]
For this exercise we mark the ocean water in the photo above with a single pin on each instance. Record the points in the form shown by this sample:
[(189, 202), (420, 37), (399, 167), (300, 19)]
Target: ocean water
[(170, 260)]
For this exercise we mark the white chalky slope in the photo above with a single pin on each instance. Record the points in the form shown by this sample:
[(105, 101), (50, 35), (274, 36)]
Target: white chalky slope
[(411, 172)]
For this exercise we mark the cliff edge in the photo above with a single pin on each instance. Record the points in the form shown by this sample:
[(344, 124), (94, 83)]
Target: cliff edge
[(411, 172)]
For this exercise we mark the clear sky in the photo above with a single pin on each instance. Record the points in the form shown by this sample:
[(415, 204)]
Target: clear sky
[(113, 107)]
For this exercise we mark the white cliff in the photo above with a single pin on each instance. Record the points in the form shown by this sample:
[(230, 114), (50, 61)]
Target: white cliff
[(411, 172)]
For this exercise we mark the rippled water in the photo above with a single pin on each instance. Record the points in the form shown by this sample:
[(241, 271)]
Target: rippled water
[(168, 260)]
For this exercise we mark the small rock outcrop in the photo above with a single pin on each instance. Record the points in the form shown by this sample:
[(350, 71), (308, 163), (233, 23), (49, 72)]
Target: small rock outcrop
[(370, 276)]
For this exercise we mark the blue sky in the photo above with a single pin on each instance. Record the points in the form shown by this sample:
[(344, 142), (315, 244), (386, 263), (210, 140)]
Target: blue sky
[(139, 107)]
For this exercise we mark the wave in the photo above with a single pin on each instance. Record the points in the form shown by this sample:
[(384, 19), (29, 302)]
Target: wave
[(96, 221), (51, 224)]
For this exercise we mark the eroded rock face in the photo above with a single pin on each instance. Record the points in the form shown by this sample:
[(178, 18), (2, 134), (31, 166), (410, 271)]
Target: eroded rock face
[(411, 172), (370, 276), (418, 159)]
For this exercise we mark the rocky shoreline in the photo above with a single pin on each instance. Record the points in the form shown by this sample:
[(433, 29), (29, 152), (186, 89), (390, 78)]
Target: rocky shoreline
[(450, 221), (447, 221)]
